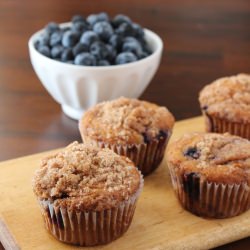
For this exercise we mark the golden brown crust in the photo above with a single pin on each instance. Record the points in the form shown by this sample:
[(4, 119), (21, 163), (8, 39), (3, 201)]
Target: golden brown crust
[(125, 121), (219, 158), (228, 98), (84, 177)]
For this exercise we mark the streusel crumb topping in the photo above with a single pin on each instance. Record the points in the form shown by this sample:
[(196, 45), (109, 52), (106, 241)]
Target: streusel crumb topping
[(83, 176), (228, 98), (126, 121), (215, 156)]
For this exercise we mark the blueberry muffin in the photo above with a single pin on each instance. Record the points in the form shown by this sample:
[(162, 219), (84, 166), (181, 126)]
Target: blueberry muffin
[(225, 105), (87, 195), (210, 173), (137, 129)]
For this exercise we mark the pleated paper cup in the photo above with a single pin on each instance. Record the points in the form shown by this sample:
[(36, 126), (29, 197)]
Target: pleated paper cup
[(210, 199), (89, 228), (146, 156), (217, 125)]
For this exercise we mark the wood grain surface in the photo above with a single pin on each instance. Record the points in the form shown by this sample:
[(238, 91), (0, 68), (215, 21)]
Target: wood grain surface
[(159, 222), (203, 40), (6, 237)]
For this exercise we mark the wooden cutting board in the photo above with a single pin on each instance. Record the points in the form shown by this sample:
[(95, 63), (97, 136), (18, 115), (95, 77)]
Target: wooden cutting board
[(159, 222)]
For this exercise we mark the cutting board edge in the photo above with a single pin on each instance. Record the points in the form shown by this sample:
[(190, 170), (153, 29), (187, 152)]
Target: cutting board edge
[(7, 239)]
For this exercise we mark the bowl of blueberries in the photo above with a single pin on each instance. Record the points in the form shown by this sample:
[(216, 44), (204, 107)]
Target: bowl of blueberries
[(94, 59)]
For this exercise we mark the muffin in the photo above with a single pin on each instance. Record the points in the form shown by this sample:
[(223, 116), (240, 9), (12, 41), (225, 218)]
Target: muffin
[(210, 173), (137, 129), (225, 104), (87, 195)]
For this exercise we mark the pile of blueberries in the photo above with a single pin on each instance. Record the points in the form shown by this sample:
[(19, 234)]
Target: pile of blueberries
[(96, 40)]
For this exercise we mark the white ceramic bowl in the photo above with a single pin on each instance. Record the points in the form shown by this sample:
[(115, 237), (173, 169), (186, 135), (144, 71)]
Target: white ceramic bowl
[(78, 88)]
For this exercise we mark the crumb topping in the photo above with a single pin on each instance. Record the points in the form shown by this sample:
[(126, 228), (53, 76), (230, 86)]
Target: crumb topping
[(215, 156), (83, 176), (228, 98), (125, 121)]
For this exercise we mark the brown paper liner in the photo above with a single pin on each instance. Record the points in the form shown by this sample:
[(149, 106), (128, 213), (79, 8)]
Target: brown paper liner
[(209, 199), (146, 156), (218, 125), (89, 228)]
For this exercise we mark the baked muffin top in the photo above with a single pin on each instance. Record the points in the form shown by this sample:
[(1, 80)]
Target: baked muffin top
[(221, 158), (84, 177), (228, 98), (126, 121)]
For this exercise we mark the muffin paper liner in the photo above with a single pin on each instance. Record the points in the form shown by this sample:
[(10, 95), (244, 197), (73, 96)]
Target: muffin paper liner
[(218, 125), (210, 199), (89, 228), (146, 156)]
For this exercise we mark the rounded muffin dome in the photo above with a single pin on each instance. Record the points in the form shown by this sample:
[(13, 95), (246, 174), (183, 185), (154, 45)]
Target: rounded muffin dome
[(85, 177), (126, 121), (228, 98), (221, 158)]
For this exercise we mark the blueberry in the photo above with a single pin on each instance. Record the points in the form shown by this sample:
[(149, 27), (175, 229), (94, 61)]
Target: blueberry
[(144, 54), (70, 62), (89, 37), (162, 135), (103, 63), (79, 48), (52, 27), (125, 57), (64, 29), (103, 29), (129, 39), (125, 29), (205, 107), (192, 152), (94, 18), (55, 38), (77, 18), (43, 39), (146, 137), (56, 51), (145, 46), (43, 49), (85, 59), (67, 55), (119, 19), (191, 185), (99, 50), (103, 16), (79, 27), (112, 52), (134, 47), (36, 44), (138, 31), (116, 41), (70, 39)]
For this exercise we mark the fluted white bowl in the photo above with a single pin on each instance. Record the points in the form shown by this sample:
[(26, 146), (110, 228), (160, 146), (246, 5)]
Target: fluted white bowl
[(77, 88)]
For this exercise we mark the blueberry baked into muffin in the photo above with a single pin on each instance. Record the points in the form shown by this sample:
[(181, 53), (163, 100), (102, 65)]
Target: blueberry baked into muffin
[(87, 195), (137, 129), (225, 104), (210, 173)]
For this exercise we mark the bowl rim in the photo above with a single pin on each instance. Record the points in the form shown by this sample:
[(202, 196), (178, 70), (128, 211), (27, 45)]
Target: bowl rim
[(149, 33)]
